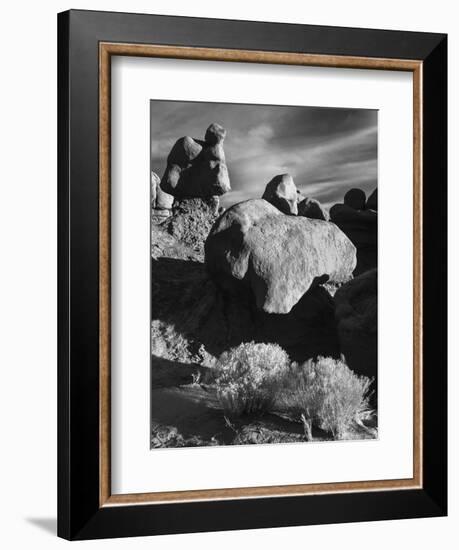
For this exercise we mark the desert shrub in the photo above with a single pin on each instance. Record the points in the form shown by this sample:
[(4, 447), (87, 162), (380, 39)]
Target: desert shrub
[(248, 377), (327, 394)]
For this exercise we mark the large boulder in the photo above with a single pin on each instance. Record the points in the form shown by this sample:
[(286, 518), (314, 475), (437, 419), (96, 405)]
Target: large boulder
[(282, 193), (196, 168), (278, 257), (356, 312), (361, 226), (311, 208)]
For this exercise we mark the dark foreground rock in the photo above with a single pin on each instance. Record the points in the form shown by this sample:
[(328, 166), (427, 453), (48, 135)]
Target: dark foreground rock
[(356, 313), (197, 168), (372, 201), (278, 257)]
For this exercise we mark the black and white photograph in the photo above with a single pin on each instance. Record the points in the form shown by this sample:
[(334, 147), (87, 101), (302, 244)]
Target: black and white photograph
[(263, 274), (229, 302)]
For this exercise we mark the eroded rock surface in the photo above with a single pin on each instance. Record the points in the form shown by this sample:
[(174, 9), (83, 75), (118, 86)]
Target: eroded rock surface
[(191, 222)]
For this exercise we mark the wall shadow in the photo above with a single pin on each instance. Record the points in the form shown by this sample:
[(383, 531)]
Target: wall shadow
[(49, 525)]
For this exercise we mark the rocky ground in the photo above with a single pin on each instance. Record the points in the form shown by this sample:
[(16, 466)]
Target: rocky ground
[(193, 322), (188, 415)]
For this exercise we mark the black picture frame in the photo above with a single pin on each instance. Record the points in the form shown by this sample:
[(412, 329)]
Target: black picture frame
[(80, 515)]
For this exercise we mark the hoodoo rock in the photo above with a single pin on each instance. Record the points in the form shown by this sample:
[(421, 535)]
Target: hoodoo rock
[(310, 208), (282, 193), (197, 168), (279, 258), (360, 225)]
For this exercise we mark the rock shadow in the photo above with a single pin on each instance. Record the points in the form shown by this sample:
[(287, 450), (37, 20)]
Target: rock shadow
[(185, 296)]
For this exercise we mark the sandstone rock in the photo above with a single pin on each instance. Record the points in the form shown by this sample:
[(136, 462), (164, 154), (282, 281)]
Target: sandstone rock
[(356, 312), (361, 226), (282, 193), (159, 199), (372, 201), (310, 208), (197, 168), (278, 257)]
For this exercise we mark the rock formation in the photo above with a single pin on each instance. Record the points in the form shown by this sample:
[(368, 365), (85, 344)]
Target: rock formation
[(161, 202), (278, 257), (155, 181), (311, 208), (372, 201), (356, 304), (282, 193), (360, 225), (355, 199), (197, 168), (191, 221)]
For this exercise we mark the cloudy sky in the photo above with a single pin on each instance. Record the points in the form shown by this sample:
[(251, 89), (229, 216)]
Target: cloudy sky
[(326, 150)]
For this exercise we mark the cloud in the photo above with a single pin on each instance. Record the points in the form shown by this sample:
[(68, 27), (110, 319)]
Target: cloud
[(326, 150)]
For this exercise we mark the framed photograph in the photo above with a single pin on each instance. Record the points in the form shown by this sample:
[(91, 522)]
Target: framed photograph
[(252, 274)]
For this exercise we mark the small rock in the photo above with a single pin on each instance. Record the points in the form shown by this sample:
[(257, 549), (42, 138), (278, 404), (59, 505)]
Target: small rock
[(355, 198), (282, 193), (311, 208), (215, 134), (159, 215), (159, 199)]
